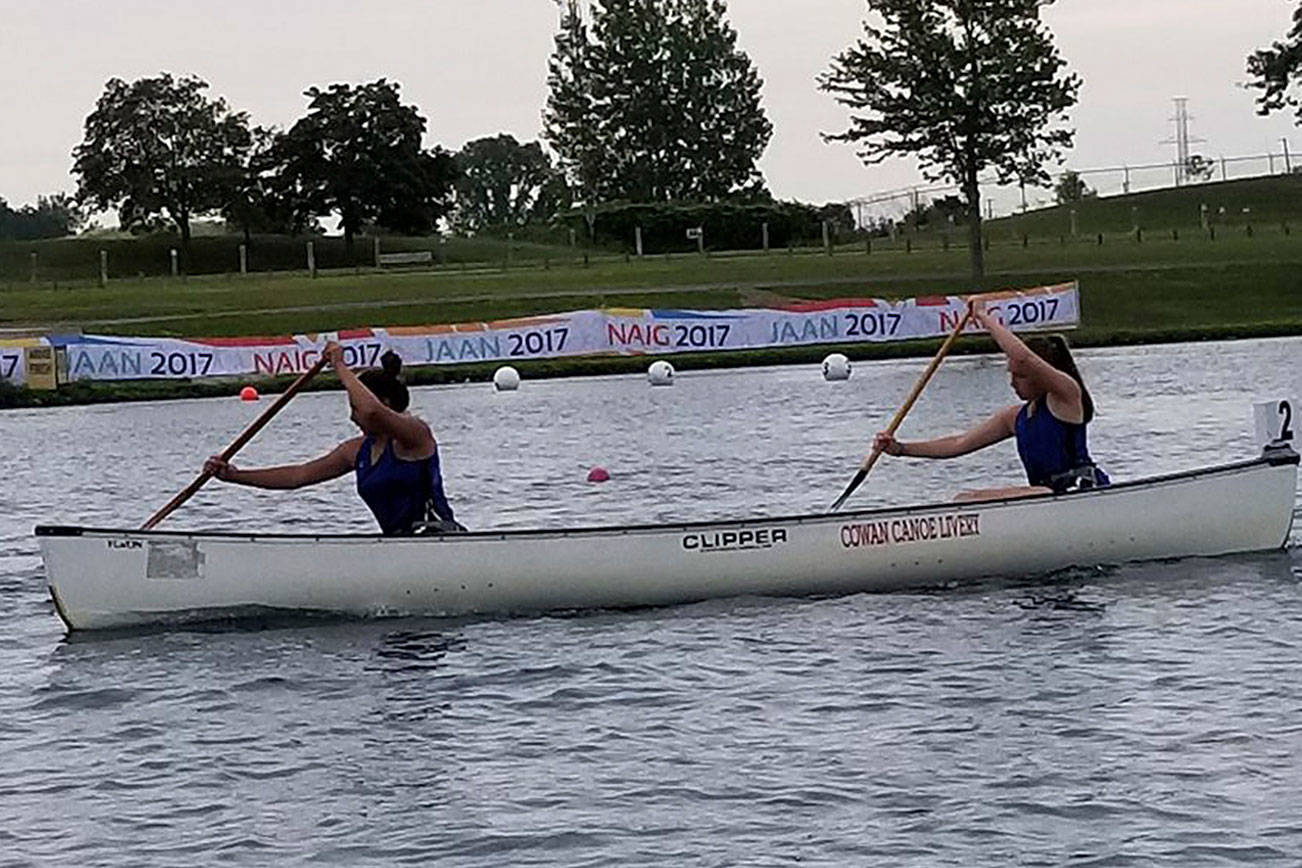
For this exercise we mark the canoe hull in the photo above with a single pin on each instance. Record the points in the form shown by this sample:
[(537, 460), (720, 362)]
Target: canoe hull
[(103, 578)]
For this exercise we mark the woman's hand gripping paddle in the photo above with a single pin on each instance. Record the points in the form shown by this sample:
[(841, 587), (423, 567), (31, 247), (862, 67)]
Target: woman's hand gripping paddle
[(872, 456), (238, 443)]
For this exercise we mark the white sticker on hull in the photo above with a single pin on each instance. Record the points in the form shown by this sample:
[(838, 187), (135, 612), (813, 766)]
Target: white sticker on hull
[(174, 560)]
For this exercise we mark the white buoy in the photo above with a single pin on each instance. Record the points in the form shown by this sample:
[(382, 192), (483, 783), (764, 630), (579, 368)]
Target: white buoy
[(836, 367), (660, 373), (506, 379)]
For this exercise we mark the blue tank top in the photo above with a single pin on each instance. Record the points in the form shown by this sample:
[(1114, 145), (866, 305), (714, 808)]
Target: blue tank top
[(401, 493), (1053, 451)]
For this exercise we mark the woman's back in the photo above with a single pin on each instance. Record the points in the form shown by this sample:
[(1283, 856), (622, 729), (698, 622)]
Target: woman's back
[(1054, 453), (401, 493)]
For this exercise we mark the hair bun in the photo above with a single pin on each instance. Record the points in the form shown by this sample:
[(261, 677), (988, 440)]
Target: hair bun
[(392, 363)]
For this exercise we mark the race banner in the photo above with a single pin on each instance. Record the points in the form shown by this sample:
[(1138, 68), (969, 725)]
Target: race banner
[(830, 322), (614, 331)]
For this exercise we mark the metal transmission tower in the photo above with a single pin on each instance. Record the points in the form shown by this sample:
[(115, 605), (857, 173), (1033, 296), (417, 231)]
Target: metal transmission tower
[(1182, 139)]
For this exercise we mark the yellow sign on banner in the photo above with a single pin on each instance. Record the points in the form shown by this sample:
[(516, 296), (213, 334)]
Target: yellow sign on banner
[(41, 371)]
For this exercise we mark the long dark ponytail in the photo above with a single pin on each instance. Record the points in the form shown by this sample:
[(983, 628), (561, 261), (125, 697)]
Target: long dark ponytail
[(1054, 350)]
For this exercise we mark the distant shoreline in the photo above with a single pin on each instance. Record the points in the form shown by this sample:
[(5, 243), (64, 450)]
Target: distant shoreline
[(1184, 282), (87, 392)]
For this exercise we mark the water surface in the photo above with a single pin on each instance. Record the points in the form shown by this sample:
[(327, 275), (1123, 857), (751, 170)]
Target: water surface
[(1124, 715)]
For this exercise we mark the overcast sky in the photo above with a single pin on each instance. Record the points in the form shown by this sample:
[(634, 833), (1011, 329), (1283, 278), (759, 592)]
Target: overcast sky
[(479, 67)]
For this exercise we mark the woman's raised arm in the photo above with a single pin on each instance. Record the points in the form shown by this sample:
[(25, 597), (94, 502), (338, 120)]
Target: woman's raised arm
[(372, 414), (1059, 386)]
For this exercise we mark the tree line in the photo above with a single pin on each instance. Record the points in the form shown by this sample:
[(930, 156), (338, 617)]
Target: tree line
[(651, 102), (51, 217)]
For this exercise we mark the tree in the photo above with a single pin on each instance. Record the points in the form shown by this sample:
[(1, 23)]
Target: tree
[(1277, 72), (654, 102), (358, 153), (945, 210), (258, 202), (160, 146), (569, 119), (53, 216), (1071, 187), (504, 183), (963, 86), (949, 209)]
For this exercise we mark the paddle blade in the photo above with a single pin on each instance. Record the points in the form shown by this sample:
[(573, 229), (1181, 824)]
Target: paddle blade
[(849, 489)]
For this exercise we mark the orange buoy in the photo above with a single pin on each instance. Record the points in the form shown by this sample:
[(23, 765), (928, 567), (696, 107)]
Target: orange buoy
[(248, 393)]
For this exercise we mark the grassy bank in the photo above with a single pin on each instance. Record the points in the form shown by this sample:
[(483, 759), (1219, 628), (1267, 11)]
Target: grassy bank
[(1159, 283), (1269, 204)]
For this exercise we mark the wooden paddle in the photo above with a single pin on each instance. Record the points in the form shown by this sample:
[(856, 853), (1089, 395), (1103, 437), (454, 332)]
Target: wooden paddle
[(872, 457), (238, 443)]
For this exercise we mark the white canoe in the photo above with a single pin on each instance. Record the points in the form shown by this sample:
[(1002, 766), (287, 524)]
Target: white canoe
[(102, 578)]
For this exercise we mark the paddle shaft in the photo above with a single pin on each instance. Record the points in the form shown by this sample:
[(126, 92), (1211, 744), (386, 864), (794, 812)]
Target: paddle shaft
[(237, 444), (867, 464)]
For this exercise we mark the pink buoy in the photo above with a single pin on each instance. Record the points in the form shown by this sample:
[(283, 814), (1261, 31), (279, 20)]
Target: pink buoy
[(598, 474), (248, 393)]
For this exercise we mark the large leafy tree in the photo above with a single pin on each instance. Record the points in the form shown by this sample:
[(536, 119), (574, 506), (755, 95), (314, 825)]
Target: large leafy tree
[(653, 101), (358, 153), (1277, 72), (504, 183), (964, 86), (160, 146)]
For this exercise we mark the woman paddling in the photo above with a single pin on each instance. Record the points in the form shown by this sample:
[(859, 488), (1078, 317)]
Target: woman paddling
[(396, 459), (1049, 426)]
